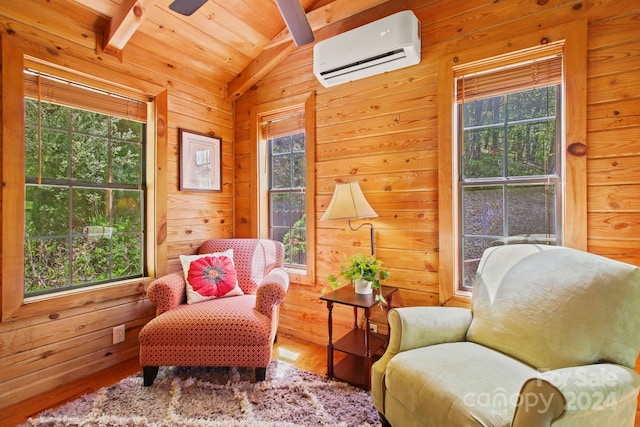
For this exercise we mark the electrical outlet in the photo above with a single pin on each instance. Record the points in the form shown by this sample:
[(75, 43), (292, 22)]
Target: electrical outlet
[(373, 328), (118, 334)]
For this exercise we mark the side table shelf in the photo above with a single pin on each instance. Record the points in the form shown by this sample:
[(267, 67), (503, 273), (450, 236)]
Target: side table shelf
[(361, 346), (353, 343)]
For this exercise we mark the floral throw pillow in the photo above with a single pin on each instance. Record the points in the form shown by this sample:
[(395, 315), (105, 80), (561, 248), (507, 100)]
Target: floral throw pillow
[(210, 276)]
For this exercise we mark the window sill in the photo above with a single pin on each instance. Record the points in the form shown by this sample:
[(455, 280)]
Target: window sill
[(65, 300), (299, 276), (459, 299)]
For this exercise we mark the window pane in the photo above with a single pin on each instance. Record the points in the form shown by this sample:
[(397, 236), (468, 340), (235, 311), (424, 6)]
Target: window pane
[(280, 210), (298, 204), (531, 149), (281, 171), (91, 259), (298, 142), (277, 233), (127, 255), (127, 130), (295, 242), (531, 210), (472, 249), (31, 151), (31, 111), (483, 211), (127, 209), (483, 153), (532, 104), (90, 208), (90, 158), (46, 264), (483, 112), (52, 116), (127, 162), (55, 154), (281, 145), (46, 211), (90, 123), (299, 170)]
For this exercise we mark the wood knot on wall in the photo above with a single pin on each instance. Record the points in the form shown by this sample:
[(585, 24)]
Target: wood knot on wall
[(577, 149)]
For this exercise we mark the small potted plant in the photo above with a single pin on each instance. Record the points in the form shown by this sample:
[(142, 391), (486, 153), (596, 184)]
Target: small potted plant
[(364, 273)]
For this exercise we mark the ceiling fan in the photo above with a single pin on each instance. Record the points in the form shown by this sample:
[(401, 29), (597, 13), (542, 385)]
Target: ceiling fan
[(291, 11)]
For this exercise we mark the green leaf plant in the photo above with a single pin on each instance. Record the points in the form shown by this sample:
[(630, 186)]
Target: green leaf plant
[(359, 267)]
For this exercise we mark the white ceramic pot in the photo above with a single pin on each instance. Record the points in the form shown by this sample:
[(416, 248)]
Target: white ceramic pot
[(362, 286)]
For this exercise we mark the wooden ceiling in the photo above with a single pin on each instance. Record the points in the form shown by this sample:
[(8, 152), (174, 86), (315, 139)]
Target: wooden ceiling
[(235, 42)]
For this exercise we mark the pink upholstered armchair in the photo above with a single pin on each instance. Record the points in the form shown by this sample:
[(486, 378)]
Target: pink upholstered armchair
[(234, 330)]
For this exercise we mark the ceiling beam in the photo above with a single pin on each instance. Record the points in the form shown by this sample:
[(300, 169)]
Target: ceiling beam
[(258, 68), (124, 24), (282, 45)]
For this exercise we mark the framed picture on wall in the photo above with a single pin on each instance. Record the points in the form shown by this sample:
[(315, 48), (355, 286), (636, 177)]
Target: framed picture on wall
[(200, 162)]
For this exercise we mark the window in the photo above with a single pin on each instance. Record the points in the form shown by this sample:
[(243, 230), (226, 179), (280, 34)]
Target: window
[(497, 157), (84, 186), (285, 138), (284, 161), (509, 172), (287, 197)]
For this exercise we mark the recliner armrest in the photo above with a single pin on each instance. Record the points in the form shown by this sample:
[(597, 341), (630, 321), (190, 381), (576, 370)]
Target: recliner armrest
[(272, 290), (167, 292), (415, 327)]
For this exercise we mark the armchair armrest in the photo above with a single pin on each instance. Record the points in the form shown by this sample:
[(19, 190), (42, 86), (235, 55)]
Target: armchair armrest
[(592, 395), (272, 291), (167, 292), (539, 404), (415, 327)]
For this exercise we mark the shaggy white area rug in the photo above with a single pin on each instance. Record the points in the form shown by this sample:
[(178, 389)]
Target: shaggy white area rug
[(227, 397)]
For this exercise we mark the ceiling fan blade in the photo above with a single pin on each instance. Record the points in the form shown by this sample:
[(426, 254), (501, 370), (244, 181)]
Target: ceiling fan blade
[(296, 20), (186, 7)]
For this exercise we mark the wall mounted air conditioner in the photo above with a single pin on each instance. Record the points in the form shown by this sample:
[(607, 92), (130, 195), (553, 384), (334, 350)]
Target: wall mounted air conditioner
[(384, 45)]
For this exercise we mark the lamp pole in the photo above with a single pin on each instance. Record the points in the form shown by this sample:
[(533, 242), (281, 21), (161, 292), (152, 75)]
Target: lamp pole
[(370, 232)]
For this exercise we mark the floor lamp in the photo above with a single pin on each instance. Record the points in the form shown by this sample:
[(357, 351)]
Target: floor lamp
[(349, 203)]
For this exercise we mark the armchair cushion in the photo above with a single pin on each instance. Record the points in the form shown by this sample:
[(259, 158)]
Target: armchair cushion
[(210, 276), (458, 380)]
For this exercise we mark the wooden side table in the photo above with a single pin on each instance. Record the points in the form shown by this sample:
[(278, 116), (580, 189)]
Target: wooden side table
[(359, 345)]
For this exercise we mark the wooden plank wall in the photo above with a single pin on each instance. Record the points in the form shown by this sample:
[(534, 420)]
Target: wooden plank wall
[(392, 118), (63, 339), (382, 131)]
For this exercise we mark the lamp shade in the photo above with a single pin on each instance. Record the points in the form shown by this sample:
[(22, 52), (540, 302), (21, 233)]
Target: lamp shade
[(348, 202)]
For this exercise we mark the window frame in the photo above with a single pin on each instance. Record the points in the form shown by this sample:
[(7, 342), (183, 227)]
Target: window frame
[(260, 176), (505, 182), (13, 304), (573, 38), (72, 184)]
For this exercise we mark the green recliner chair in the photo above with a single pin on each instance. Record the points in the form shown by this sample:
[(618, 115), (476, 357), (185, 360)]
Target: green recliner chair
[(551, 340)]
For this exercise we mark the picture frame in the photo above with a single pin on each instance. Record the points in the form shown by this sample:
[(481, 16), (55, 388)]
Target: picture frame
[(200, 161)]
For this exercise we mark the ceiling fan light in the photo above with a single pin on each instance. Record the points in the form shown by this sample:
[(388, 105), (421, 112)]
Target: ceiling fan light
[(296, 21)]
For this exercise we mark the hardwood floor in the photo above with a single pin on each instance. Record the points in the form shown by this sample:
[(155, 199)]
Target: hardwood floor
[(302, 354)]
